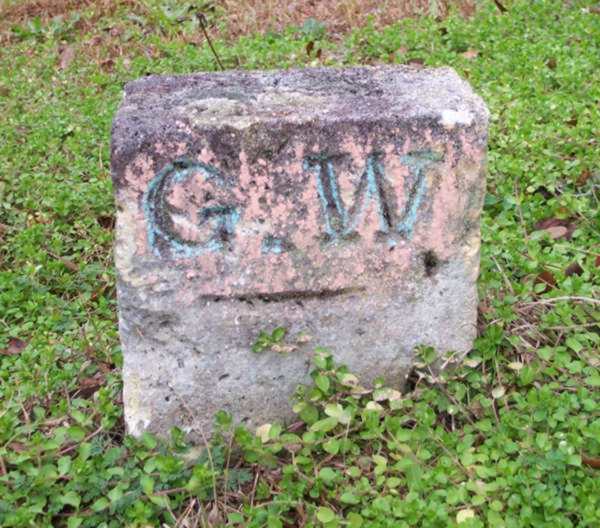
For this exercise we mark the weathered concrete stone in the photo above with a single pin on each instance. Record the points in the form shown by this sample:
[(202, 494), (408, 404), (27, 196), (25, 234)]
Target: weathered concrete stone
[(340, 204)]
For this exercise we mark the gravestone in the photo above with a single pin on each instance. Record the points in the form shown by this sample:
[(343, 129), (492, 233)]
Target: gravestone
[(340, 204)]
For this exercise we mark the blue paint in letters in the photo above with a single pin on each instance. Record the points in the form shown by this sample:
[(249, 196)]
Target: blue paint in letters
[(338, 221), (162, 236), (271, 244), (417, 163)]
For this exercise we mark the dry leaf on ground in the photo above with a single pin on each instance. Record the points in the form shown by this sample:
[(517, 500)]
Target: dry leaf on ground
[(470, 54), (67, 54), (15, 347)]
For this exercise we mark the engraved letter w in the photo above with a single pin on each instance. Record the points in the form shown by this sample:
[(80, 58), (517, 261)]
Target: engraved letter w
[(342, 222)]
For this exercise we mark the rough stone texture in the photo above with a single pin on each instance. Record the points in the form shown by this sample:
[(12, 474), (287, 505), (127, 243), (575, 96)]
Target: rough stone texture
[(341, 204)]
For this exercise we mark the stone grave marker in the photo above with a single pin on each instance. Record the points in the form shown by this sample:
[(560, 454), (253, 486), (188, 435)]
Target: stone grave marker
[(340, 204)]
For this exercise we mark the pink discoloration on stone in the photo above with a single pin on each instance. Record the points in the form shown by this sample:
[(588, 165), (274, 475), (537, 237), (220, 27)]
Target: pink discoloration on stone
[(136, 219), (178, 197), (441, 232), (297, 218), (139, 173), (299, 150), (307, 260), (206, 156)]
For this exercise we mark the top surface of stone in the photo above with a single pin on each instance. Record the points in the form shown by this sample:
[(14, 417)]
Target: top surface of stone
[(240, 99)]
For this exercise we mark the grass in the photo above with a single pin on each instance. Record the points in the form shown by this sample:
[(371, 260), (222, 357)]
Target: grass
[(511, 439)]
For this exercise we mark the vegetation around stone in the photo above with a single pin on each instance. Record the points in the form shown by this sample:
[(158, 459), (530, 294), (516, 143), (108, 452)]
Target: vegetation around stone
[(511, 438)]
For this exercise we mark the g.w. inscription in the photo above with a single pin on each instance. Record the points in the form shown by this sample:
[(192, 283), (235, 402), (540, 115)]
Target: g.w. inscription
[(207, 221)]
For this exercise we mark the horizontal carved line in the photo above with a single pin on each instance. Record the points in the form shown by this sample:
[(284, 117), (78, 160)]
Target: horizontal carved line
[(284, 296)]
